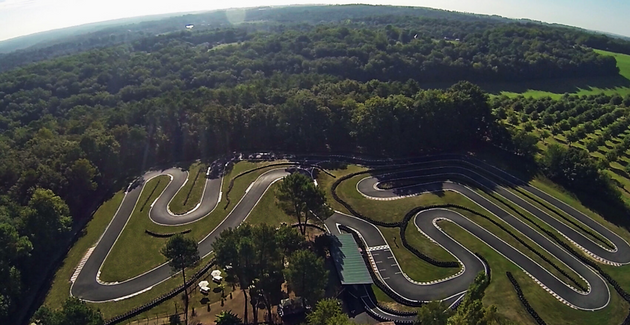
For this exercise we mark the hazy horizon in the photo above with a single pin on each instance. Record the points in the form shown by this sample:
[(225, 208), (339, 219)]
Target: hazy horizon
[(25, 17)]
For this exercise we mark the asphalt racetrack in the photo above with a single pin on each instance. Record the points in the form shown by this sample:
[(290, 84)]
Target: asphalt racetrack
[(87, 285), (459, 174)]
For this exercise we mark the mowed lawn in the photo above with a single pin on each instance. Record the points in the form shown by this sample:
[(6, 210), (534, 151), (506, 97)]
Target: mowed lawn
[(190, 194), (580, 86), (136, 252), (500, 292), (60, 286), (267, 210)]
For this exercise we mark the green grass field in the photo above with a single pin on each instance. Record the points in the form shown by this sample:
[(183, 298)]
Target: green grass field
[(266, 211), (134, 244), (550, 309), (580, 86), (499, 292), (60, 286), (190, 194)]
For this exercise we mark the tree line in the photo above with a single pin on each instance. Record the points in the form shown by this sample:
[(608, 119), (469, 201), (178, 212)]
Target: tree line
[(77, 128), (436, 24)]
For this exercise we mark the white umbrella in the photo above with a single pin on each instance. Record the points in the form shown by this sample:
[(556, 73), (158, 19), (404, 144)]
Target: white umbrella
[(203, 284), (215, 273)]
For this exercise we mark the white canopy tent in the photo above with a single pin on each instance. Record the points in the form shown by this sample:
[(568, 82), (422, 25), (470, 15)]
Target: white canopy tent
[(216, 276)]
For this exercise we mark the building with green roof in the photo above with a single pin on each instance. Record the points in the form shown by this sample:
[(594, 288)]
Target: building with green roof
[(348, 261)]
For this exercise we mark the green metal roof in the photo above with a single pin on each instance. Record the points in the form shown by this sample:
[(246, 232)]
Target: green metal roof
[(349, 262)]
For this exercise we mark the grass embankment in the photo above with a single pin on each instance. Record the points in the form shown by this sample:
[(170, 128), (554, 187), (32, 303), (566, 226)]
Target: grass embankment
[(136, 252), (60, 286), (622, 273), (414, 267), (111, 309), (267, 211), (190, 194), (122, 261), (501, 294), (581, 86), (392, 211), (325, 181), (549, 307)]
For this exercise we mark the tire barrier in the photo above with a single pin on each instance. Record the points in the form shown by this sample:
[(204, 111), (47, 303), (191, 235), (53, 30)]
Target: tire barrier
[(487, 267), (517, 238), (592, 264), (523, 300), (166, 235), (413, 250), (381, 318), (349, 207), (131, 313), (318, 227)]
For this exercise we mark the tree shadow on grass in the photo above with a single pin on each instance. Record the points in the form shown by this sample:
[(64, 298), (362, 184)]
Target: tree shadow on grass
[(558, 86)]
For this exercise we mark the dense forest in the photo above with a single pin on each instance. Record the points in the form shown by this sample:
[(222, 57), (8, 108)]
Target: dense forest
[(426, 22), (76, 128)]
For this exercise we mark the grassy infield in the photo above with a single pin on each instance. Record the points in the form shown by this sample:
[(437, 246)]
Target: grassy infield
[(266, 211), (499, 292), (135, 252), (124, 261)]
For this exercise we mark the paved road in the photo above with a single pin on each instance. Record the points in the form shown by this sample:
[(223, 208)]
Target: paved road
[(161, 214), (426, 174), (430, 178), (89, 288)]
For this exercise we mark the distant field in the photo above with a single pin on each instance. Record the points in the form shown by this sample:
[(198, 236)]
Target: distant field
[(580, 86)]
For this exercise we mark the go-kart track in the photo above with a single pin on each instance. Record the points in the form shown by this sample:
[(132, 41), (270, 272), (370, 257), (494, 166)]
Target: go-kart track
[(455, 173)]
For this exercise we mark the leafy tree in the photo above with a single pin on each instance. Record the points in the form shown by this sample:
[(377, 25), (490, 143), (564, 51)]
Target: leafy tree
[(288, 240), (524, 143), (433, 313), (14, 249), (234, 251), (182, 253), (306, 275), (46, 218), (253, 259), (592, 146), (268, 278), (544, 135), (471, 311), (298, 196), (611, 155), (228, 318), (328, 312), (73, 312)]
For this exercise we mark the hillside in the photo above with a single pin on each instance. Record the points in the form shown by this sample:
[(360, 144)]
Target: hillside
[(46, 45)]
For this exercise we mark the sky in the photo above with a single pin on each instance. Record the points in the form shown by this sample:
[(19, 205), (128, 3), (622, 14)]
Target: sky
[(23, 17)]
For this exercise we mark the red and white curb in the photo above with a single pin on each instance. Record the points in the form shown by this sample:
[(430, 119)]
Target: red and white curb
[(77, 271)]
